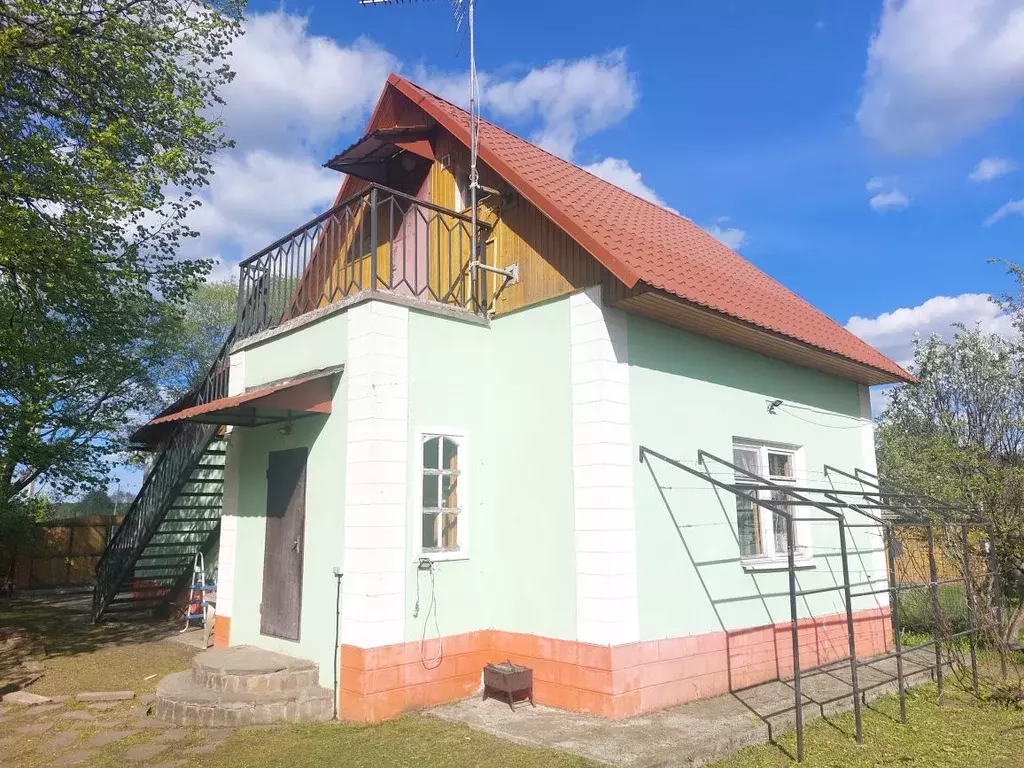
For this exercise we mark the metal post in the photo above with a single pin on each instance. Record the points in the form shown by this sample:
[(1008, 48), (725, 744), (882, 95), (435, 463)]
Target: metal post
[(474, 173), (894, 608), (933, 575), (971, 617), (798, 697), (997, 595), (373, 238), (851, 633)]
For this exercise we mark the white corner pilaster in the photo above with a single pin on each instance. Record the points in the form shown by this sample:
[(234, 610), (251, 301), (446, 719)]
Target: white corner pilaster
[(226, 557), (602, 461), (869, 461), (377, 369)]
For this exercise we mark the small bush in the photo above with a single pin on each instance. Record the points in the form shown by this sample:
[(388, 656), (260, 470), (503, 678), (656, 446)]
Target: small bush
[(916, 614)]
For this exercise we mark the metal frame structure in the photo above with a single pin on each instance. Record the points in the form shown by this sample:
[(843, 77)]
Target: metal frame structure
[(871, 505)]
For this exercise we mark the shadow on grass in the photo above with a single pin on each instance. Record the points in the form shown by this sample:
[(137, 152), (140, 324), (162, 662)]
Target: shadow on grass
[(41, 626)]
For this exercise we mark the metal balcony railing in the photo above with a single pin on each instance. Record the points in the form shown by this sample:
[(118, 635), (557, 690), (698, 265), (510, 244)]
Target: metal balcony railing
[(378, 239), (159, 490)]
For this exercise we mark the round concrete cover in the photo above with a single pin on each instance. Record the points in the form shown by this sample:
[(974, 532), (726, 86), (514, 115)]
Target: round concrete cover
[(249, 660)]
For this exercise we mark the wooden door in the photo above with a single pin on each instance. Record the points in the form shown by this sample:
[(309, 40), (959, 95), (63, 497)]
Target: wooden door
[(282, 560)]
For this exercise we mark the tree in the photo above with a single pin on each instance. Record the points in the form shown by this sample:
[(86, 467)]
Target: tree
[(958, 436), (208, 318), (105, 135)]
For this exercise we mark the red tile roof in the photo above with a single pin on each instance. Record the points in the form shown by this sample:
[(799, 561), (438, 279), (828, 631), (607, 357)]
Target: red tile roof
[(637, 240)]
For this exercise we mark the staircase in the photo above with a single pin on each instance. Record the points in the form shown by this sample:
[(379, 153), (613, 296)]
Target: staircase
[(242, 685), (176, 513)]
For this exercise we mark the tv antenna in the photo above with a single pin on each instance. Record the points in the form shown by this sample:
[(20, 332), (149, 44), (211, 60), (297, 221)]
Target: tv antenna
[(464, 12)]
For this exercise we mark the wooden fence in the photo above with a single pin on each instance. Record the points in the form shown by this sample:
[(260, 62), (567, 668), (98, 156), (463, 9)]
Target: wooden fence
[(66, 552)]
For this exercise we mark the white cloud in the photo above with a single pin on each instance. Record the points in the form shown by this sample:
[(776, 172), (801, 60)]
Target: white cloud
[(257, 196), (992, 168), (572, 99), (894, 199), (1007, 209), (874, 183), (731, 237), (892, 333), (292, 86), (620, 173), (940, 70)]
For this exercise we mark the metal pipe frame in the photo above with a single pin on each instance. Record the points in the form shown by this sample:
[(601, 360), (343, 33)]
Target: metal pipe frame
[(906, 510)]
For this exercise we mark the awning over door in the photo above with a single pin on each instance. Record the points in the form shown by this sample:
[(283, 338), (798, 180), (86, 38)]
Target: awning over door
[(368, 158), (306, 395)]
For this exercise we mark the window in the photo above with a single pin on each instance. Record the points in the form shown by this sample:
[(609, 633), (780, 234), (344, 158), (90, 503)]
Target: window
[(763, 533), (462, 196), (443, 495)]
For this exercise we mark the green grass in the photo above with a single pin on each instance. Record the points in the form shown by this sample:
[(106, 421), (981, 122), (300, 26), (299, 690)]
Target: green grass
[(961, 732), (414, 740), (77, 655)]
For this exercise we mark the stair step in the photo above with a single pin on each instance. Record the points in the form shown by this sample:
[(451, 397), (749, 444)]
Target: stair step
[(191, 519), (215, 452), (197, 506), (184, 544), (182, 701), (164, 557), (201, 493)]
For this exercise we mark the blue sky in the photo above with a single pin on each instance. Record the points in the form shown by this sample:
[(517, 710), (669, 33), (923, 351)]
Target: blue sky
[(767, 126), (859, 152)]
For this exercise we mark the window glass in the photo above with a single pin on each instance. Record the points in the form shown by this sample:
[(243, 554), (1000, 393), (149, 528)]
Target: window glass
[(441, 504), (748, 528), (780, 464), (746, 458)]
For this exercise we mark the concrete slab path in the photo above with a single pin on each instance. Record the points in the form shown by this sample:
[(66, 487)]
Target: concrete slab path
[(691, 734)]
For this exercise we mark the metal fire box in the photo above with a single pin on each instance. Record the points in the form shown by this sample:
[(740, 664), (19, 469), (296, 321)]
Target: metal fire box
[(509, 682)]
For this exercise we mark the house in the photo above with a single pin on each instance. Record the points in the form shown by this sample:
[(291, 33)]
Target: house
[(446, 449)]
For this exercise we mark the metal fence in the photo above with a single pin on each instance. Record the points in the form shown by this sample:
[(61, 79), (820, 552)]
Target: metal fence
[(378, 240)]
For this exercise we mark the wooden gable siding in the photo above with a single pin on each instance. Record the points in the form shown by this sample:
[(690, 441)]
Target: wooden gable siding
[(551, 264)]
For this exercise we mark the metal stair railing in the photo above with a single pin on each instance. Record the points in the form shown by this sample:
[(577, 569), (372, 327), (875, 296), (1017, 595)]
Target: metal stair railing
[(169, 475)]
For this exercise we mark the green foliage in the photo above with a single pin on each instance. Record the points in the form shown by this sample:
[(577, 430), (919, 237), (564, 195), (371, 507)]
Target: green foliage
[(958, 436), (105, 135), (917, 616), (19, 525), (206, 322)]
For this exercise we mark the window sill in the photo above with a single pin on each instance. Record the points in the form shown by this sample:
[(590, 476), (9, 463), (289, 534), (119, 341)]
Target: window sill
[(804, 562), (442, 557)]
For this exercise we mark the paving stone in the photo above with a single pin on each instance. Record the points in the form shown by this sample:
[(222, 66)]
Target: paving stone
[(78, 715), (217, 734), (102, 706), (7, 741), (3, 711), (38, 710), (143, 711), (144, 752), (206, 749), (60, 699), (174, 734), (108, 737), (58, 742), (74, 758), (33, 667), (105, 696), (149, 698), (34, 729), (25, 697)]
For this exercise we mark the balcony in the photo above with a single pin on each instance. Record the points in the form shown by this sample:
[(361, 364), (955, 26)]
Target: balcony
[(378, 240)]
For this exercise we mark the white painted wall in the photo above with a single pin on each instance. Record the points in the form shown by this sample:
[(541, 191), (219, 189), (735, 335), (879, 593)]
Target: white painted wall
[(606, 570)]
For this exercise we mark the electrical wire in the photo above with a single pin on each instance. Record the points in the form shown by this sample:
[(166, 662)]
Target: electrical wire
[(434, 663)]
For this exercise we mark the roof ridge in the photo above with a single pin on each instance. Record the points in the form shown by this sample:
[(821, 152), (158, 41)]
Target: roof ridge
[(548, 152)]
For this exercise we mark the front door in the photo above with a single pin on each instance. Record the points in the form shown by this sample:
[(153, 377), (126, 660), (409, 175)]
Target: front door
[(282, 559)]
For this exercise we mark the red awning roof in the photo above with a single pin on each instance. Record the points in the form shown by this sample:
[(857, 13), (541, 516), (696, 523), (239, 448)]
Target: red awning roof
[(306, 395), (638, 241)]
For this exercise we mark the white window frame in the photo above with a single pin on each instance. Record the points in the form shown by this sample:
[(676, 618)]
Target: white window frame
[(770, 559), (461, 437), (462, 195)]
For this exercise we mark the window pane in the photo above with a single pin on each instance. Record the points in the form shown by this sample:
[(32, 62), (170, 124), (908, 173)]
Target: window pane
[(450, 457), (748, 527), (746, 458), (449, 491), (430, 499), (781, 535), (780, 464), (430, 525), (450, 531), (430, 453)]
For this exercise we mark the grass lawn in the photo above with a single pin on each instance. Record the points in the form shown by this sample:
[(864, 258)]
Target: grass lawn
[(414, 740), (67, 654), (960, 732)]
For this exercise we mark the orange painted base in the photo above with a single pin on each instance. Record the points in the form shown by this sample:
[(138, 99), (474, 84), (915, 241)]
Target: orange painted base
[(620, 681), (221, 631)]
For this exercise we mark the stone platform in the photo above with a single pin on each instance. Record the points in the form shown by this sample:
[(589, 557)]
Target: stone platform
[(243, 685)]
